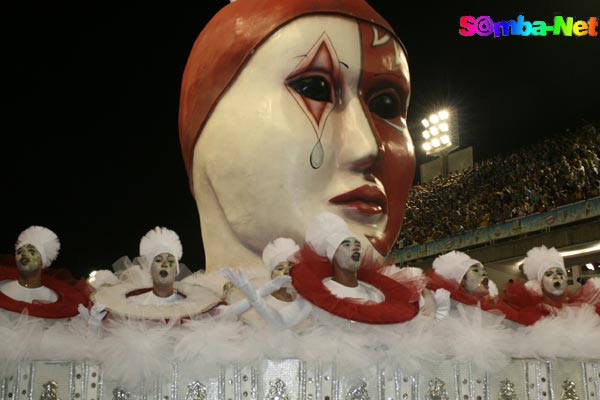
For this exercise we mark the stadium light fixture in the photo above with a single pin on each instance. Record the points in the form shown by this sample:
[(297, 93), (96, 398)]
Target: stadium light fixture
[(439, 133), (589, 266)]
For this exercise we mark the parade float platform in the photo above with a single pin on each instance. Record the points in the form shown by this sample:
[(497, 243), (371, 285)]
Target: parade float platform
[(295, 379)]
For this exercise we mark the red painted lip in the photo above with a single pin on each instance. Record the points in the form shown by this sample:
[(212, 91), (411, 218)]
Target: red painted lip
[(366, 199)]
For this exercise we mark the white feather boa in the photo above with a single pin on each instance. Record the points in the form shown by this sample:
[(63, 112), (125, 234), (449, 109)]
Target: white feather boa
[(132, 350), (471, 335), (574, 332)]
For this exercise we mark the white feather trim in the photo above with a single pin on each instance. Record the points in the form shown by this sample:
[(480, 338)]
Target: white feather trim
[(539, 260), (277, 251), (21, 337), (197, 301), (102, 277), (453, 265), (412, 277), (476, 336), (134, 351), (136, 275), (574, 332), (347, 343), (43, 239), (415, 345), (205, 343), (68, 339), (325, 233)]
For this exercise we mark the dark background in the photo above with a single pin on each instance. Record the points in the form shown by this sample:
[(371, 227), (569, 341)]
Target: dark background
[(91, 93)]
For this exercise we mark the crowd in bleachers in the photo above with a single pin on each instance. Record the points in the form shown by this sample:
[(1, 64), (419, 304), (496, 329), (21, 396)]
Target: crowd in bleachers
[(558, 170)]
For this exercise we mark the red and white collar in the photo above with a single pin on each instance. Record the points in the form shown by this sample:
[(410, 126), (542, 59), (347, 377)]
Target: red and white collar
[(401, 304)]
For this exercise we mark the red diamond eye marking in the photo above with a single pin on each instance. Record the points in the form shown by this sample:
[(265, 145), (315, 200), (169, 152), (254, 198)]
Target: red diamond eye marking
[(321, 61)]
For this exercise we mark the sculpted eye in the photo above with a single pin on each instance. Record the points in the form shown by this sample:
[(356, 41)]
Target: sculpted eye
[(385, 104), (314, 87)]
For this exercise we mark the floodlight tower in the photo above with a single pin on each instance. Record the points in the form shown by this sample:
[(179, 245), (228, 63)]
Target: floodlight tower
[(441, 137)]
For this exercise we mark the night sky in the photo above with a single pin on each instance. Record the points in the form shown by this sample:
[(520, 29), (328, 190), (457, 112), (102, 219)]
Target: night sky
[(90, 146)]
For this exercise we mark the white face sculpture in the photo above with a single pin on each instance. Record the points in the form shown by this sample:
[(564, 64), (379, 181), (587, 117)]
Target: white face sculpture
[(28, 259), (476, 281), (164, 269), (554, 281), (316, 121), (349, 254)]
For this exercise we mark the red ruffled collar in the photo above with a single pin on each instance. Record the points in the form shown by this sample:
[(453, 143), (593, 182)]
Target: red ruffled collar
[(400, 304), (521, 315), (436, 281), (70, 293), (519, 295)]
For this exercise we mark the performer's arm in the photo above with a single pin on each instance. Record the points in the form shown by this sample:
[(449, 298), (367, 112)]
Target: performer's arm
[(241, 306)]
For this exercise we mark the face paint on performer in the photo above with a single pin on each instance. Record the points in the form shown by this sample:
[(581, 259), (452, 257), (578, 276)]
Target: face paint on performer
[(554, 281), (282, 269), (164, 269), (476, 280), (349, 254), (28, 259)]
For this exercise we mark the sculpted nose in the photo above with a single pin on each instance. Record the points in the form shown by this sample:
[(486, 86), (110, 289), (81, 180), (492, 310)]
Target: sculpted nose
[(358, 148)]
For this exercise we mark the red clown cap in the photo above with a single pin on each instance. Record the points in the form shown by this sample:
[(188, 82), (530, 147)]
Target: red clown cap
[(226, 44)]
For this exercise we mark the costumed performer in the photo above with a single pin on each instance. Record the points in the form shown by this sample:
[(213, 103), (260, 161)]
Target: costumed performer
[(468, 283), (33, 289), (278, 258), (567, 319), (129, 294), (161, 248), (435, 303), (335, 274), (327, 275), (328, 123), (546, 288)]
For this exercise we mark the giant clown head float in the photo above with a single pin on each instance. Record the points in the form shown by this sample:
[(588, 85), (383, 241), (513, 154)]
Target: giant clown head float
[(290, 108)]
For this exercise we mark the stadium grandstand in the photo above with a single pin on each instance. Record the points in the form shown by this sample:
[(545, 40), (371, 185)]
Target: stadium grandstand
[(545, 193)]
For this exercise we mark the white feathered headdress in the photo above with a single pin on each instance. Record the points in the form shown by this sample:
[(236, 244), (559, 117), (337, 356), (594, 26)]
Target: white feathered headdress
[(44, 240), (539, 260), (277, 251), (161, 240), (454, 265), (325, 233)]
